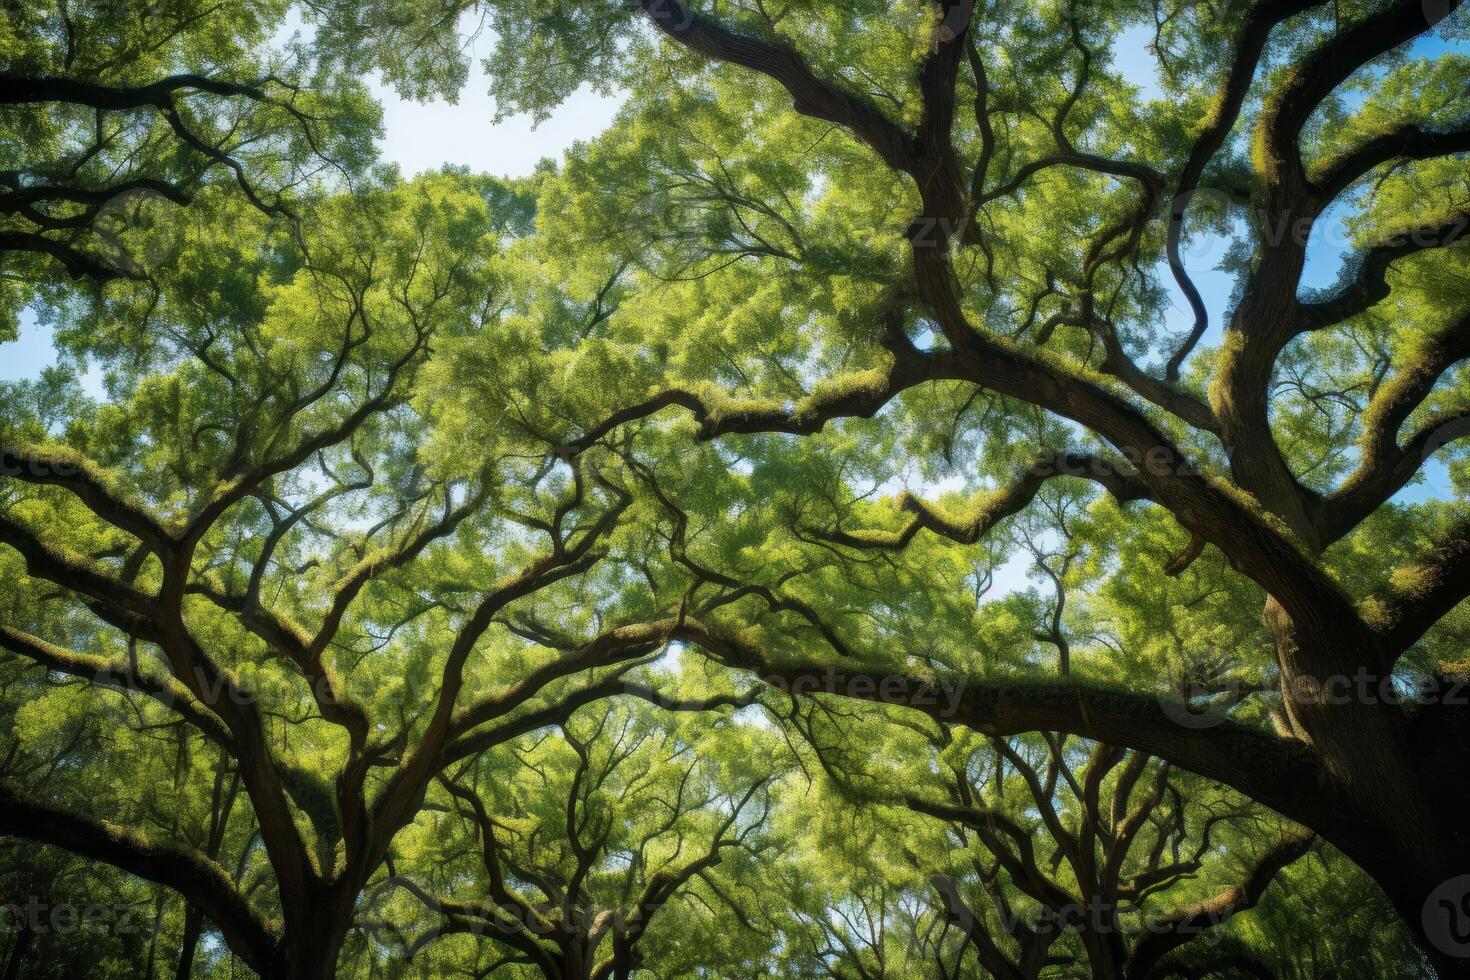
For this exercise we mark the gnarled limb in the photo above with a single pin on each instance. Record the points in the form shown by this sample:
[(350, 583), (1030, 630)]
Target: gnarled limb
[(82, 477), (195, 877), (1260, 22), (813, 96), (1404, 142), (1370, 286), (1188, 924), (107, 673), (1292, 104), (991, 510), (1386, 466), (1282, 774), (1420, 594)]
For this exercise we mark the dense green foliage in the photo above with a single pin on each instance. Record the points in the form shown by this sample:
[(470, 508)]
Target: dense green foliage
[(593, 575)]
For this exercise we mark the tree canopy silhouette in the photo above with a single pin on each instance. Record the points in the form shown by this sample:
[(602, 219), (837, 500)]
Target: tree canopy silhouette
[(594, 574)]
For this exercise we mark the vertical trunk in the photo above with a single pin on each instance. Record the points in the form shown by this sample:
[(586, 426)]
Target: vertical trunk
[(1035, 947), (158, 903), (193, 926), (623, 964), (1103, 958), (309, 965), (18, 950), (1401, 802), (573, 962), (1434, 903), (1363, 739), (312, 945)]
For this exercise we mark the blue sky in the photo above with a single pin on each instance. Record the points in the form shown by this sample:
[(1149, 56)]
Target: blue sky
[(417, 137), (421, 137)]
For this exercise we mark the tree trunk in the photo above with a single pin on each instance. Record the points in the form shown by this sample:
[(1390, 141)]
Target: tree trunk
[(1103, 946), (1435, 905), (623, 964), (574, 964), (311, 947), (193, 926), (18, 950)]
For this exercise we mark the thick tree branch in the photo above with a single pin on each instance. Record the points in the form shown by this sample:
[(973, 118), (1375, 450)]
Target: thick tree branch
[(1259, 23), (1369, 286), (1005, 502), (778, 60), (856, 396), (1288, 108), (74, 572), (31, 89), (72, 472), (198, 879), (1281, 774), (1405, 142), (1419, 595), (1164, 937), (112, 674)]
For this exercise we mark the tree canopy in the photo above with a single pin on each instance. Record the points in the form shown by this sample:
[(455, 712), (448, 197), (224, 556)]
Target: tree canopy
[(787, 536)]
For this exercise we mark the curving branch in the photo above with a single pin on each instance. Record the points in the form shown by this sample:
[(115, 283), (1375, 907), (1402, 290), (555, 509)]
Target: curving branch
[(78, 264), (1268, 315), (959, 913), (1262, 19), (1162, 938), (480, 739), (31, 89), (812, 96), (1405, 142), (1386, 464), (78, 574), (1123, 485), (1419, 595), (1284, 775), (165, 97), (80, 476), (1369, 286), (856, 396), (1288, 108), (398, 800), (123, 676), (198, 879)]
